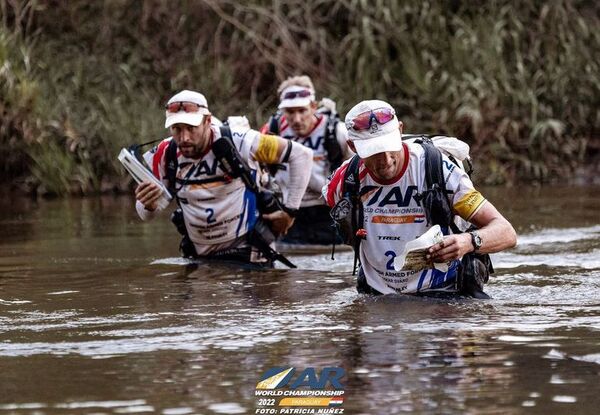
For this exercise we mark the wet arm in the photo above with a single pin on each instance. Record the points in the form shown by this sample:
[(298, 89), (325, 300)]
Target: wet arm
[(495, 231), (273, 149)]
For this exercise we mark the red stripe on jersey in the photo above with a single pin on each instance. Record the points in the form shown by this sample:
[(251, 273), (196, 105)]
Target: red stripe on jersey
[(158, 156), (362, 173), (283, 124), (338, 176)]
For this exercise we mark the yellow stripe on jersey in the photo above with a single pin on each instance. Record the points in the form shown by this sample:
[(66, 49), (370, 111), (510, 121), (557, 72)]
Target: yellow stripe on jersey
[(469, 204), (267, 149)]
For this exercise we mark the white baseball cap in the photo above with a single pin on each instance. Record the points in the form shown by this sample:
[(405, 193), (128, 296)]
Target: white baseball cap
[(376, 130), (181, 116), (296, 96)]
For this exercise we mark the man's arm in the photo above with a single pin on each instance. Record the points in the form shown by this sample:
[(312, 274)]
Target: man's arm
[(495, 231), (147, 194), (272, 149)]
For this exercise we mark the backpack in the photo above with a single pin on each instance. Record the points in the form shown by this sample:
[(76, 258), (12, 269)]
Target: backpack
[(335, 156), (348, 218)]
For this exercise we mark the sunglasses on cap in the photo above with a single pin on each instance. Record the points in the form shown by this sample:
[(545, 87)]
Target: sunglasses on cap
[(364, 120), (297, 94), (183, 106)]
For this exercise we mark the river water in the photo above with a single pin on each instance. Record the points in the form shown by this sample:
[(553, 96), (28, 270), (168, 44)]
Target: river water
[(98, 315)]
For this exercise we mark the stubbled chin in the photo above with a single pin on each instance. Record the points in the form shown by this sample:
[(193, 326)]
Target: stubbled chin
[(388, 173), (187, 152), (298, 131)]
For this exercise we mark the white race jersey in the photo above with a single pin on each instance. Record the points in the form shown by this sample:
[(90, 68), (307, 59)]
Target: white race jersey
[(217, 209), (392, 217), (321, 169)]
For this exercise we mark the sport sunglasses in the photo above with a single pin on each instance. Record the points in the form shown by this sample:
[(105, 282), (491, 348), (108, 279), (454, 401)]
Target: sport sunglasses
[(185, 106), (364, 120), (297, 94)]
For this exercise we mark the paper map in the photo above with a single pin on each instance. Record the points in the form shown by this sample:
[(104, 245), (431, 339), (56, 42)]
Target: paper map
[(413, 258)]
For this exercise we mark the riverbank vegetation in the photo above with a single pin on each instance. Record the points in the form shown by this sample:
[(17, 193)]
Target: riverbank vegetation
[(518, 80)]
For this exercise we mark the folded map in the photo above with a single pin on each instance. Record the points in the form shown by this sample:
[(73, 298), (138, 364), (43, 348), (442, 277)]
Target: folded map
[(413, 258), (142, 174)]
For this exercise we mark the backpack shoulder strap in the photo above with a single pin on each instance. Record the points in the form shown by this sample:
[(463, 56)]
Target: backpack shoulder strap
[(226, 132), (171, 166), (230, 160), (434, 174), (274, 123), (351, 185), (351, 189), (330, 142)]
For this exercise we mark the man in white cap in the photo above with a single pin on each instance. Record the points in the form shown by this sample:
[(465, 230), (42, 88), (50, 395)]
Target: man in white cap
[(301, 120), (392, 178), (218, 210)]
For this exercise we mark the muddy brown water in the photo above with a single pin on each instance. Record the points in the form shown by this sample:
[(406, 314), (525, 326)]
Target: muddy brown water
[(98, 315)]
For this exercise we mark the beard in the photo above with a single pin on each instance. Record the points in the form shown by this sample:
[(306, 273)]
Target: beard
[(191, 150)]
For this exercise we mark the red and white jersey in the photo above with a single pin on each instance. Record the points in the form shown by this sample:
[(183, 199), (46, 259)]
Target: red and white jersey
[(217, 209), (393, 217), (320, 169)]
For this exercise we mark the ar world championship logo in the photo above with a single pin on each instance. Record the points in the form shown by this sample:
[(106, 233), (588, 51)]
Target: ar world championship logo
[(285, 390)]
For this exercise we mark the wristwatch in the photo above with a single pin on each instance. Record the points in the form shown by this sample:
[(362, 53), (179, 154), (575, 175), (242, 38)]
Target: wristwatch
[(476, 240)]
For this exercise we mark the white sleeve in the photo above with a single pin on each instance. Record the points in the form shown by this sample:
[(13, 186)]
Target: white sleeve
[(316, 183), (300, 168), (466, 200), (158, 170), (143, 213)]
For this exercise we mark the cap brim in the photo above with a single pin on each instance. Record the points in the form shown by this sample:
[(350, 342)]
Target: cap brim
[(190, 118), (296, 102), (370, 146)]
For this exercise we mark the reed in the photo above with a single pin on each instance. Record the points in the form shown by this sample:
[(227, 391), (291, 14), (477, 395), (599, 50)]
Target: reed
[(518, 80)]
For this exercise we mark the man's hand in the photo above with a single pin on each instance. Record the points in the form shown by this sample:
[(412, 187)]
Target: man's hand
[(451, 248), (148, 194), (280, 222)]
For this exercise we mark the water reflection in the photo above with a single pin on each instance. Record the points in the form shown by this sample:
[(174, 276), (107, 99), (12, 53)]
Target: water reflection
[(98, 314)]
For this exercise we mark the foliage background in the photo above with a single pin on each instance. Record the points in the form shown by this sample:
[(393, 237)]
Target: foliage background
[(518, 80)]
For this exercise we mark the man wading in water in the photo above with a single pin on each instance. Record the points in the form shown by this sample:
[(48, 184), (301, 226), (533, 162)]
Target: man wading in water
[(389, 174), (223, 213), (302, 121)]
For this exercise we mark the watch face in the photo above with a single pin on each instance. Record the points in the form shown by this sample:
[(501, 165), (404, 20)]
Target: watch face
[(476, 240)]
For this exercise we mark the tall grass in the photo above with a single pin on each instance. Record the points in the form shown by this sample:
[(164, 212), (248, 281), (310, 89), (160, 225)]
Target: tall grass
[(517, 79)]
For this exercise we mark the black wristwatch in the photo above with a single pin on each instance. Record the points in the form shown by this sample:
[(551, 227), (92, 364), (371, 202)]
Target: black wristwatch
[(476, 240)]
